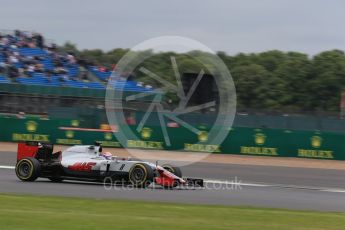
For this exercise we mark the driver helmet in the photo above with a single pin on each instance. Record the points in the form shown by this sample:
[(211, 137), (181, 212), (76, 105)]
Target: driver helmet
[(107, 155)]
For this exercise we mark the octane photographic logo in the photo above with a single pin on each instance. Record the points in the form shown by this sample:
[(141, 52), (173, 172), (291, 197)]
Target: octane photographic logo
[(198, 142)]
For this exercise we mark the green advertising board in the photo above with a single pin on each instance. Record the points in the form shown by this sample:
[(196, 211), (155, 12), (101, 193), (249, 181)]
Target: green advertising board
[(285, 143), (180, 139), (82, 137), (27, 130), (318, 145), (255, 142), (240, 140)]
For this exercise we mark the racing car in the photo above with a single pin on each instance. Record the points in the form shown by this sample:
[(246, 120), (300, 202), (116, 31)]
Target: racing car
[(89, 163)]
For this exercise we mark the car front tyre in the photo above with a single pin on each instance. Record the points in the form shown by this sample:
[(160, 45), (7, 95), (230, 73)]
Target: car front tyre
[(174, 170), (141, 175)]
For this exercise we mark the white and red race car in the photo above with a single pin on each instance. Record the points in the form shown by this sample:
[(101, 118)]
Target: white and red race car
[(88, 163)]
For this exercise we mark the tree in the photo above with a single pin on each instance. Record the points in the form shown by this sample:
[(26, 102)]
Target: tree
[(328, 80), (294, 73), (271, 60), (250, 85), (69, 47), (269, 80)]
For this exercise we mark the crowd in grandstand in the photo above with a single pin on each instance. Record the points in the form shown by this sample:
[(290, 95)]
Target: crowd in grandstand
[(43, 58), (26, 58)]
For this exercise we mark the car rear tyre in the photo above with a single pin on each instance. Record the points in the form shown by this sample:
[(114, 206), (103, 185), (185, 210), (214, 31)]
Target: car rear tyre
[(28, 169), (141, 175)]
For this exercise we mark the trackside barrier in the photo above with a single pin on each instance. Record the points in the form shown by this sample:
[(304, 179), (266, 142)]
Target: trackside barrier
[(240, 140)]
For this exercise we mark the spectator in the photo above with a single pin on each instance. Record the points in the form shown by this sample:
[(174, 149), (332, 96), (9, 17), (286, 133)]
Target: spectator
[(102, 69), (17, 33), (49, 76), (3, 67), (60, 70), (21, 115), (84, 76), (15, 62), (39, 68), (64, 78), (71, 59), (4, 41), (12, 59), (13, 71), (30, 70), (39, 41)]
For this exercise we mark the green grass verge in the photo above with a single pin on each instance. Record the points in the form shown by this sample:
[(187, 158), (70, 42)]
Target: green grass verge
[(32, 212)]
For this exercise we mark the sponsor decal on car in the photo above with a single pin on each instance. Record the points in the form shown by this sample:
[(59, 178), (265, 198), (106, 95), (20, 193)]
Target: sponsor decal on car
[(82, 166)]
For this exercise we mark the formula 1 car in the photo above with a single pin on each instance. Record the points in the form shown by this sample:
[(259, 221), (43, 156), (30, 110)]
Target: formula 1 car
[(88, 163)]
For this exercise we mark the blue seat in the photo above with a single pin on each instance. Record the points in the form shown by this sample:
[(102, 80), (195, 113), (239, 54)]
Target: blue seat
[(72, 81), (101, 75), (3, 80), (48, 63), (73, 72), (32, 52)]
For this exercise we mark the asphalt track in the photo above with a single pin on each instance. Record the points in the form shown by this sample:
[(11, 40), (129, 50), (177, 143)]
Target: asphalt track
[(260, 186)]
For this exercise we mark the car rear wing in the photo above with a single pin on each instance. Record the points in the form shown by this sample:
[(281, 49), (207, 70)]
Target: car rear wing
[(28, 149)]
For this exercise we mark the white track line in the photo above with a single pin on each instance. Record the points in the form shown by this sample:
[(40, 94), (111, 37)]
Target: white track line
[(333, 190), (211, 181), (6, 167), (320, 189), (235, 183)]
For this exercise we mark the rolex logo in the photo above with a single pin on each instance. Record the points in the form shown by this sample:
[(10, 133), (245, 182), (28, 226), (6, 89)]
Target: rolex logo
[(69, 134), (31, 126), (260, 138), (203, 136), (108, 136), (75, 123), (146, 133), (316, 141)]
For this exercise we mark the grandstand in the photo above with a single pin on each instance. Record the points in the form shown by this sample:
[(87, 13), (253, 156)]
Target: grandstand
[(36, 77), (25, 59)]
